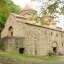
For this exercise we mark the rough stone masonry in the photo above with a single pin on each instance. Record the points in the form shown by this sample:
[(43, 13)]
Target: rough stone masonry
[(27, 37)]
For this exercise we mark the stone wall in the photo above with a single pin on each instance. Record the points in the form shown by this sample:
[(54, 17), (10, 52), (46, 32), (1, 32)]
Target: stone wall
[(11, 44), (39, 40), (12, 21), (14, 60)]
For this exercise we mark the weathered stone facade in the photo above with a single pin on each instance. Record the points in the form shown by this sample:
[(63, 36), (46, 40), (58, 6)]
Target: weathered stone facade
[(12, 44), (32, 39)]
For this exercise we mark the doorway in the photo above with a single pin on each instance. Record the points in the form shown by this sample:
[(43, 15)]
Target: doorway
[(21, 50), (54, 50)]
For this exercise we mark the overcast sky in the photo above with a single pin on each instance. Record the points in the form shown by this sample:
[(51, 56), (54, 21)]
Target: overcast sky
[(22, 3)]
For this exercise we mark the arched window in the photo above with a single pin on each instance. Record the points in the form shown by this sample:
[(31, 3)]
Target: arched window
[(11, 30)]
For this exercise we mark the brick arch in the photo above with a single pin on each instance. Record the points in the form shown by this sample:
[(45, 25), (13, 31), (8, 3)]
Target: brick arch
[(54, 44)]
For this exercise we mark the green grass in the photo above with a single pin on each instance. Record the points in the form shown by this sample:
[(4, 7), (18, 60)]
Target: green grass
[(52, 58), (13, 54)]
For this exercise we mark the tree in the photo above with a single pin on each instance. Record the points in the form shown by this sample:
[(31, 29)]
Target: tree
[(53, 7), (6, 7)]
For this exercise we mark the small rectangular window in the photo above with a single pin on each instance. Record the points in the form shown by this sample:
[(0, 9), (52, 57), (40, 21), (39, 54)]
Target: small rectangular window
[(61, 35), (11, 33), (45, 32), (62, 44), (56, 35), (51, 33)]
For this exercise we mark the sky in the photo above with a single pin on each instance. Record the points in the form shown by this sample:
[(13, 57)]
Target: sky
[(22, 4)]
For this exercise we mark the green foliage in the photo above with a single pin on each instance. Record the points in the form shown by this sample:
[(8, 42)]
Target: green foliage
[(6, 7), (33, 17), (13, 54), (62, 10), (12, 7), (51, 6)]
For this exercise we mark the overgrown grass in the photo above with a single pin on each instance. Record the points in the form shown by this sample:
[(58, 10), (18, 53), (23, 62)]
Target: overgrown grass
[(13, 54)]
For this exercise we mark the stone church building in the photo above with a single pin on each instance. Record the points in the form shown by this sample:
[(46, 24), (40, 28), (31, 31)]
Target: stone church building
[(28, 37)]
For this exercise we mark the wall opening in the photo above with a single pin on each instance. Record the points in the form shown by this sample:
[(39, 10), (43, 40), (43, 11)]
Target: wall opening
[(11, 31), (62, 44), (21, 50), (54, 50)]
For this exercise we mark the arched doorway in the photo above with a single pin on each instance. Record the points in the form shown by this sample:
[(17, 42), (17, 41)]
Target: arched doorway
[(10, 31), (54, 46)]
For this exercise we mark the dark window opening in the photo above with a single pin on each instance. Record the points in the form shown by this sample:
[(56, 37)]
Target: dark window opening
[(11, 33), (21, 50), (45, 32), (51, 33), (62, 44), (61, 35), (56, 35), (54, 50)]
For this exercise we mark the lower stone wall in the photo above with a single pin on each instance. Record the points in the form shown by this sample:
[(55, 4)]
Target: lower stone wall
[(11, 44), (13, 60)]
